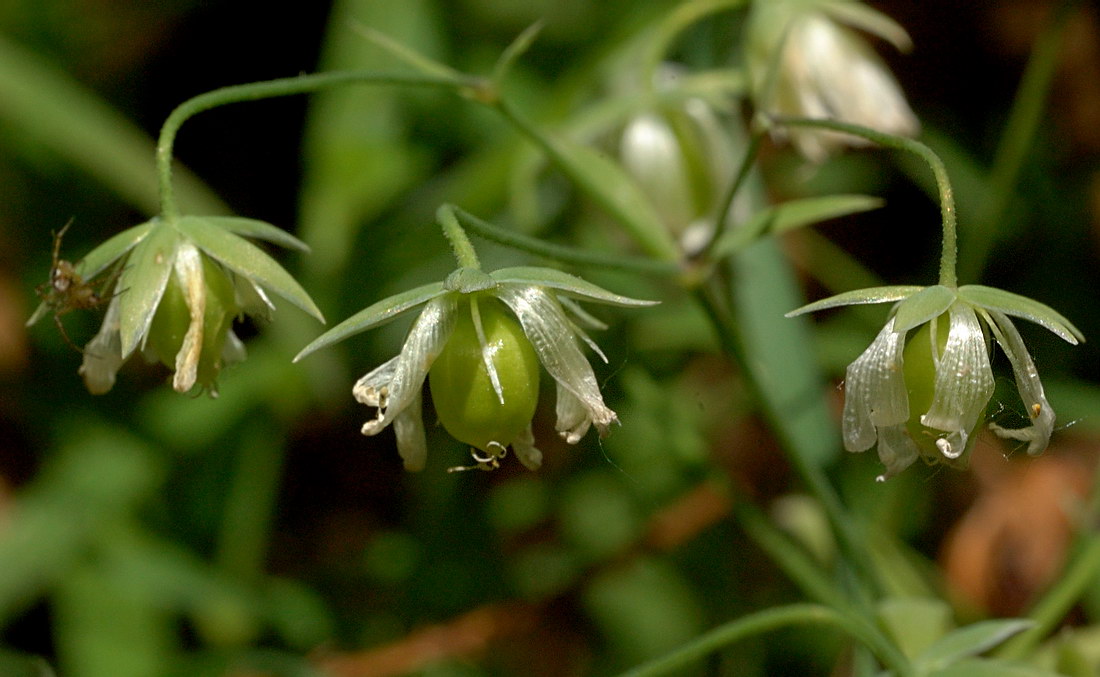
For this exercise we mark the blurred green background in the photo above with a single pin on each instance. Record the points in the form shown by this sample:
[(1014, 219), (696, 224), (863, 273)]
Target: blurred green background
[(146, 533)]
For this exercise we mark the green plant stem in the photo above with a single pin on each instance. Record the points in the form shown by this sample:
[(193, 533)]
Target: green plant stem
[(949, 252), (1024, 120), (766, 621), (267, 90), (849, 541), (722, 218), (460, 244), (562, 253)]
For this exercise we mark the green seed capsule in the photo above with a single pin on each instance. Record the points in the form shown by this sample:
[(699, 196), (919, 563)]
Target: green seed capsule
[(172, 319), (465, 400), (920, 381)]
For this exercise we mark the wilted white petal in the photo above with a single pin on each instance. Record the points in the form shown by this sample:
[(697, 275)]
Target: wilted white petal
[(583, 316), (551, 334), (425, 341), (1037, 435), (874, 390), (251, 298), (103, 354), (525, 449), (189, 275), (408, 427), (964, 380), (896, 450), (573, 421)]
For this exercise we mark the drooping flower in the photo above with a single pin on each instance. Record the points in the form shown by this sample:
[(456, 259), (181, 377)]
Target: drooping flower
[(181, 284), (925, 396), (803, 61), (477, 341)]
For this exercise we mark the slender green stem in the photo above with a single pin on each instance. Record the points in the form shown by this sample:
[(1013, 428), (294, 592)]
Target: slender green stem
[(1024, 121), (949, 254), (460, 244), (767, 621), (250, 505), (722, 218), (851, 544), (267, 90), (564, 254)]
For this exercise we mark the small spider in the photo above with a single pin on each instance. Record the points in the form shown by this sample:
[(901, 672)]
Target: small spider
[(66, 290)]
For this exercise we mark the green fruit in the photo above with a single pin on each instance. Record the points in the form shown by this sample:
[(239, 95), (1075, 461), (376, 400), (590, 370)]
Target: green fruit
[(467, 405), (173, 317), (920, 382)]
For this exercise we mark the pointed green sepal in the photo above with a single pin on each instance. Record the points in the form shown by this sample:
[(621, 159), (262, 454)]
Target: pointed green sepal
[(468, 281), (1022, 307), (923, 306), (859, 297), (375, 315), (571, 285), (142, 283), (247, 260), (101, 258), (791, 215), (259, 230)]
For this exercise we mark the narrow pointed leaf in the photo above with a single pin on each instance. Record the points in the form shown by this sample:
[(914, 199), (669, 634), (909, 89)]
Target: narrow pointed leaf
[(566, 283), (260, 230), (142, 284), (245, 258), (970, 640), (859, 297), (1023, 307), (375, 315), (984, 667), (791, 215), (923, 306), (100, 258)]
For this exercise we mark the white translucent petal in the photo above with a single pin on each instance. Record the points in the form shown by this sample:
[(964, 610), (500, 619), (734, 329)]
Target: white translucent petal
[(874, 390), (586, 318), (573, 420), (103, 354), (233, 350), (964, 380), (251, 298), (1037, 435), (406, 372), (551, 334), (189, 275), (408, 427), (525, 449), (896, 450), (487, 351)]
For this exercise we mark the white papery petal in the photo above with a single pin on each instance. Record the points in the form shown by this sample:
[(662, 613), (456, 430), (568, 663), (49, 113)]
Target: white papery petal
[(583, 316), (573, 420), (551, 334), (964, 380), (408, 427), (233, 350), (874, 390), (189, 275), (525, 449), (397, 383), (896, 450), (1037, 435), (103, 354)]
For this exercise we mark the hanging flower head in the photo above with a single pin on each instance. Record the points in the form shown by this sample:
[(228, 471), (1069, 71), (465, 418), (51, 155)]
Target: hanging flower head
[(181, 284), (804, 62), (925, 396), (479, 341)]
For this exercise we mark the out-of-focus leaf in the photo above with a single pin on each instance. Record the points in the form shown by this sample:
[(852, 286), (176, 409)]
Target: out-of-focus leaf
[(970, 640), (1021, 306), (791, 215), (14, 664), (100, 258), (143, 282), (923, 306), (375, 315), (984, 667), (42, 106), (915, 622), (245, 258)]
